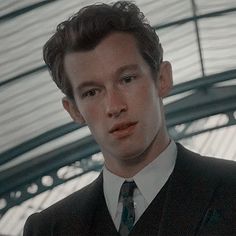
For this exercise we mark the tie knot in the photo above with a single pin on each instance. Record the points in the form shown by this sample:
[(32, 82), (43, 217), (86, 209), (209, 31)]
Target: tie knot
[(127, 189)]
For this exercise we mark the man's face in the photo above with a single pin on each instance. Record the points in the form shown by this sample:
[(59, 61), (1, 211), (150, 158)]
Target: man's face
[(117, 97)]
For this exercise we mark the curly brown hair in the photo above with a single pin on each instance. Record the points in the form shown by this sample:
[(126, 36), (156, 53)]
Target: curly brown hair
[(84, 30)]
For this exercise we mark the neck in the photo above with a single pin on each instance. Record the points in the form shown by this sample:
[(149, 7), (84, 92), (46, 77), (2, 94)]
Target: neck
[(130, 167)]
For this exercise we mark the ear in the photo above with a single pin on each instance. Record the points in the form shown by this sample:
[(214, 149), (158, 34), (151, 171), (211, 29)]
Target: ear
[(165, 82), (70, 106)]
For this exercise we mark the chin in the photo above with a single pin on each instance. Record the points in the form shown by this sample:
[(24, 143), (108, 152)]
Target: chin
[(131, 155)]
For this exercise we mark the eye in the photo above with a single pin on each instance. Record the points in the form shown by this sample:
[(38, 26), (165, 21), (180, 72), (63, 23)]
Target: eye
[(128, 79), (90, 93)]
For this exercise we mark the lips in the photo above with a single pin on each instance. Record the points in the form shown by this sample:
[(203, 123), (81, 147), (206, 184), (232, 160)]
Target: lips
[(121, 126), (123, 129)]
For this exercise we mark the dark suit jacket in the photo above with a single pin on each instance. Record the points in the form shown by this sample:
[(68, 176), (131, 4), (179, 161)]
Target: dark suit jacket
[(200, 200)]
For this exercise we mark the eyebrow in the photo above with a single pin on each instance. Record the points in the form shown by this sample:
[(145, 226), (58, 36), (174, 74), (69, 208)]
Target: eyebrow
[(117, 72), (86, 84), (127, 67)]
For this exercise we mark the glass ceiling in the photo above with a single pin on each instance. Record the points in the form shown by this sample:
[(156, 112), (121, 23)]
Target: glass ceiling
[(199, 39)]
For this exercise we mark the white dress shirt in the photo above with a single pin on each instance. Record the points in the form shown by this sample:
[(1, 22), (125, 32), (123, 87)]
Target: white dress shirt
[(149, 181)]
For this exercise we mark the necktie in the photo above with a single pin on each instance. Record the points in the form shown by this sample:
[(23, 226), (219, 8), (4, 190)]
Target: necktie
[(128, 215)]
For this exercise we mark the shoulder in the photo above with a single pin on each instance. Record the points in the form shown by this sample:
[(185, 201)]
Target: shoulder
[(200, 176), (219, 169), (78, 199), (75, 208)]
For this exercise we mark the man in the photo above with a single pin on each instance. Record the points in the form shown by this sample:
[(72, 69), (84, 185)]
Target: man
[(108, 61)]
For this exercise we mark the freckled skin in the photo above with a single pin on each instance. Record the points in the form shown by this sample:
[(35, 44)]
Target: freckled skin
[(113, 84)]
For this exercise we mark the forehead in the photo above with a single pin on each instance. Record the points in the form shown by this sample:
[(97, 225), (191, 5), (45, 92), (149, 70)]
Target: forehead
[(114, 51)]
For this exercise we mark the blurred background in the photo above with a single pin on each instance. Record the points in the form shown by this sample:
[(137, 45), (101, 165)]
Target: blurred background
[(44, 156)]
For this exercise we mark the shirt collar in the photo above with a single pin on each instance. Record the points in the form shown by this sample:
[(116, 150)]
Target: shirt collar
[(111, 187), (155, 174)]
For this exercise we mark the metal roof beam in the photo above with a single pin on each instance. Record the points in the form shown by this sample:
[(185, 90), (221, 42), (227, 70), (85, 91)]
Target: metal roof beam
[(201, 83), (24, 10), (201, 104), (37, 141), (194, 9), (178, 135), (23, 75), (192, 18), (45, 163)]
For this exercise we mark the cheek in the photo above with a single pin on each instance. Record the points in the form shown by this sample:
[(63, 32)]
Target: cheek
[(92, 117), (151, 108), (147, 99), (85, 111)]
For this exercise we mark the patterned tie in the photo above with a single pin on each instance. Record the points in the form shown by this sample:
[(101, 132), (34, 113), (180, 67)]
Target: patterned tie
[(128, 215)]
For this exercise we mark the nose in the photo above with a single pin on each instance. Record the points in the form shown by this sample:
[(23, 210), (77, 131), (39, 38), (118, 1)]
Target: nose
[(115, 104)]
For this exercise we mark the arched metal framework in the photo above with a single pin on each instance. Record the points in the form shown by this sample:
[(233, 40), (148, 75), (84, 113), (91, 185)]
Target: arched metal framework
[(207, 95)]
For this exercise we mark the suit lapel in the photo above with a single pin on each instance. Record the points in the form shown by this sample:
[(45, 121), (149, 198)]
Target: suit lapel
[(103, 223), (90, 197), (184, 208), (96, 217)]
